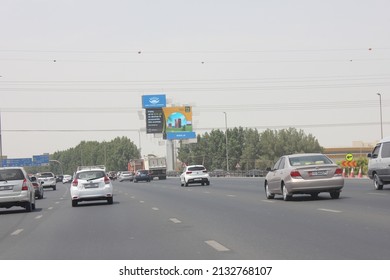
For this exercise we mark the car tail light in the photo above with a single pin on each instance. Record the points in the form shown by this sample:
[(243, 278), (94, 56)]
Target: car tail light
[(24, 185), (295, 174), (106, 180), (75, 183), (339, 172), (189, 172)]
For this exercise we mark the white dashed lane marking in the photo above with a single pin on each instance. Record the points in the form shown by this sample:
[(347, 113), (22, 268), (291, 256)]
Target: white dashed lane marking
[(50, 208), (329, 210), (38, 217), (217, 246), (174, 220), (155, 209), (16, 232)]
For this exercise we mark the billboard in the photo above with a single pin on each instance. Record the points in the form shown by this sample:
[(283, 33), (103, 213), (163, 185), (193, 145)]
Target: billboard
[(154, 101), (178, 123), (154, 120)]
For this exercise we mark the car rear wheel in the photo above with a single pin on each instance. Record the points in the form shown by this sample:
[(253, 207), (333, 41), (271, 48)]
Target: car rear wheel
[(110, 200), (28, 206), (74, 203), (314, 195), (334, 195), (286, 195), (377, 182), (268, 194)]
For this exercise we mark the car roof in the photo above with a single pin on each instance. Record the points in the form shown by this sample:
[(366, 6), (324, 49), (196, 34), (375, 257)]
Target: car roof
[(11, 167), (386, 139), (305, 154), (91, 168)]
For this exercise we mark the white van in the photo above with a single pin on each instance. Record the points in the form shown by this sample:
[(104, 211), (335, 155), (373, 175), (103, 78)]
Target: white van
[(379, 164)]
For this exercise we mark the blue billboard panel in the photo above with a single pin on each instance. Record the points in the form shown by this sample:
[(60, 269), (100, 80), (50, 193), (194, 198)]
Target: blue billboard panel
[(154, 101), (41, 160), (14, 162), (180, 135)]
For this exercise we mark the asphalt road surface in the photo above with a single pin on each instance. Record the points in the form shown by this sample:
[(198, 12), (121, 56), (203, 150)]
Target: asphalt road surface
[(230, 219)]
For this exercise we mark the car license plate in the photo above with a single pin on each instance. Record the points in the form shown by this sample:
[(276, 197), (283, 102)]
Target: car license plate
[(318, 173), (6, 188), (92, 185), (197, 179)]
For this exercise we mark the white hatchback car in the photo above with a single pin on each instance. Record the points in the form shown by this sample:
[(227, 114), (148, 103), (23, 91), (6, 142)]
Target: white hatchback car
[(16, 189), (194, 174), (91, 183)]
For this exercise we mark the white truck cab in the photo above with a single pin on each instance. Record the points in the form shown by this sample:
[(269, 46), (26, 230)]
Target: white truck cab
[(379, 164)]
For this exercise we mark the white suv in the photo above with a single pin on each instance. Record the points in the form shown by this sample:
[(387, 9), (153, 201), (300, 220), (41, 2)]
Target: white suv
[(379, 164), (47, 179), (91, 183), (194, 174), (16, 189)]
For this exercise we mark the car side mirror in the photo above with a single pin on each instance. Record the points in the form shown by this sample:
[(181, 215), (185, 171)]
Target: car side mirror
[(33, 179), (268, 169)]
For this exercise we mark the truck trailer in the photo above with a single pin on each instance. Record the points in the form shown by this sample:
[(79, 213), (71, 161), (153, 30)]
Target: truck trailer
[(157, 166)]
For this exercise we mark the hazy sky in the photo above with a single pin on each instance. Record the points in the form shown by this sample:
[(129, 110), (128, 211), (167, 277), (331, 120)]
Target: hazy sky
[(76, 70)]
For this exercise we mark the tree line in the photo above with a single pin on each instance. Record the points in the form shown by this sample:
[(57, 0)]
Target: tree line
[(247, 149)]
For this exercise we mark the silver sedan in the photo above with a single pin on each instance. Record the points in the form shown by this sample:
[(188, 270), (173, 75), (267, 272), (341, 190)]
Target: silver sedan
[(304, 174)]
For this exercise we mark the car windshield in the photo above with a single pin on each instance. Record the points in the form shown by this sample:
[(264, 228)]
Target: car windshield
[(45, 175), (196, 168), (88, 175), (309, 160), (11, 174)]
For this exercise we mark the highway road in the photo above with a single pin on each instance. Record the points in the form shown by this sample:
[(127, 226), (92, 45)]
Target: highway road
[(228, 220)]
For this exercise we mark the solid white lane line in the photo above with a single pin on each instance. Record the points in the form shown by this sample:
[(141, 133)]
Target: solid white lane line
[(174, 220), (16, 232), (217, 246), (329, 210), (38, 217)]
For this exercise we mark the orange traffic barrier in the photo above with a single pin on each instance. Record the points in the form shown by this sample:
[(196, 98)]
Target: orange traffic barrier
[(360, 173), (352, 174)]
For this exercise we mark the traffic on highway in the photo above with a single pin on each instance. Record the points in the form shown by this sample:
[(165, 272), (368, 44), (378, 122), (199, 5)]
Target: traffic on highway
[(228, 219)]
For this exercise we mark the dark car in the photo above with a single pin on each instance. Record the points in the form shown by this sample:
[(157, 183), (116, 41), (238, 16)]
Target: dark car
[(142, 175), (37, 187)]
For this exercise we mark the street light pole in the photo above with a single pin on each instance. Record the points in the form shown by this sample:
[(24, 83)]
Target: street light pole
[(227, 150), (60, 164), (380, 108)]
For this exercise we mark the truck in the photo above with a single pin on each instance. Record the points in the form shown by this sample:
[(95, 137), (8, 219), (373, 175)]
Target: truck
[(157, 166)]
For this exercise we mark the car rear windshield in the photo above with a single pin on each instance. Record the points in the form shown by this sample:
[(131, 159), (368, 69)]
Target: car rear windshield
[(88, 175), (46, 175), (11, 174), (196, 168), (309, 160)]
